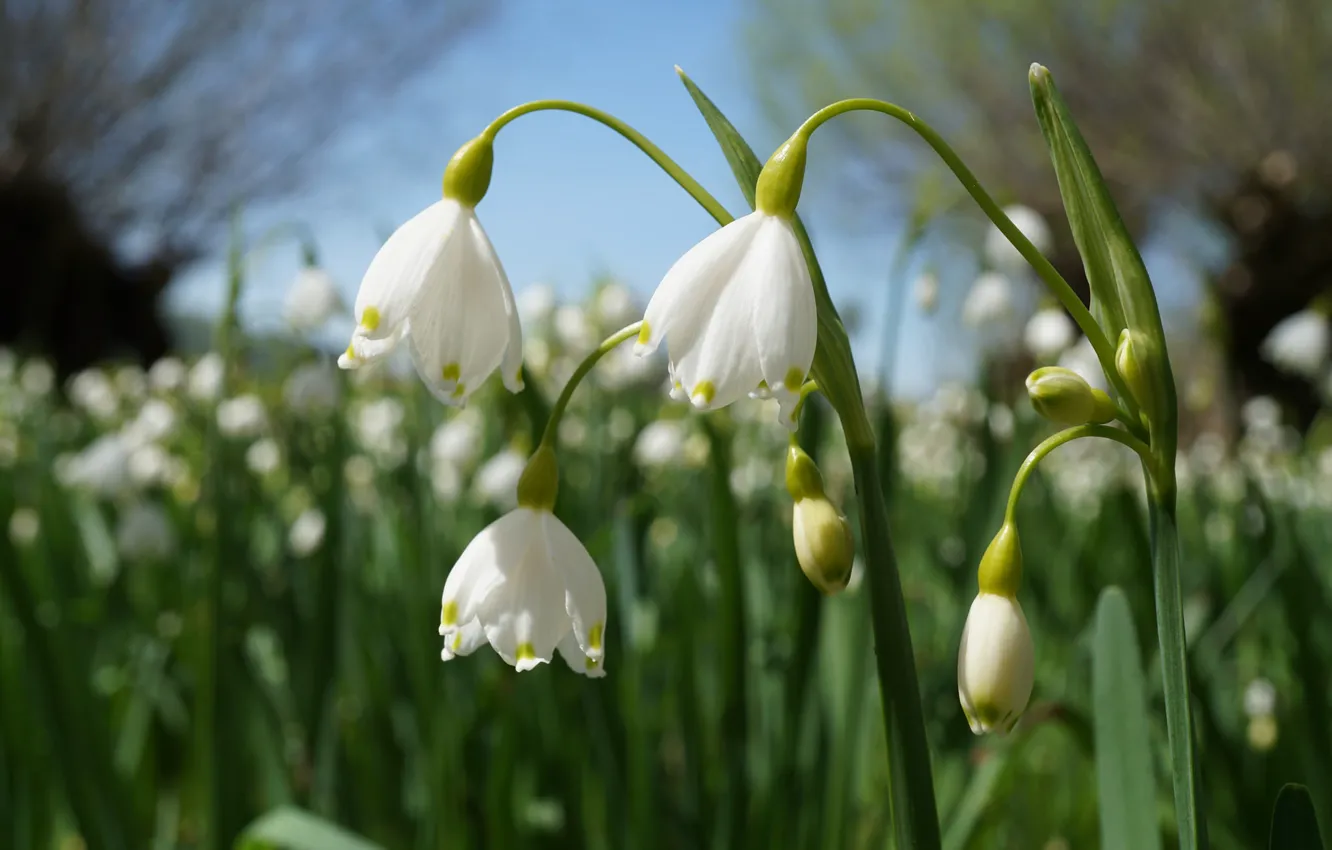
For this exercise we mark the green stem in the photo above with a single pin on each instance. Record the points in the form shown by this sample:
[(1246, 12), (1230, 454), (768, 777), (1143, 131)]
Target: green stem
[(553, 423), (656, 154), (1185, 769), (1067, 436), (911, 788), (1105, 350)]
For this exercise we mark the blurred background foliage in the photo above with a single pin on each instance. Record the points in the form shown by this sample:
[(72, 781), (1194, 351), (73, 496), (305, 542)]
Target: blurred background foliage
[(220, 558)]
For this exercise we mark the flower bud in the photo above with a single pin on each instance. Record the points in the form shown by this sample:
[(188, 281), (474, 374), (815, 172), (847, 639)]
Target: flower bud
[(1131, 360), (1000, 569), (467, 176), (779, 183), (1065, 398), (995, 665), (823, 543), (540, 480)]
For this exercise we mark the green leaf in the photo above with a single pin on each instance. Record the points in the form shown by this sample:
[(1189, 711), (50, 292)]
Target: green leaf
[(1125, 784), (1122, 294), (290, 828), (1294, 824)]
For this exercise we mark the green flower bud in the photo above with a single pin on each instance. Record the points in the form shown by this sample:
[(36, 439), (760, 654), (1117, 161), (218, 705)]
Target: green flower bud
[(780, 181), (1065, 398), (540, 481), (1000, 570), (803, 480), (467, 176), (1132, 360), (824, 545)]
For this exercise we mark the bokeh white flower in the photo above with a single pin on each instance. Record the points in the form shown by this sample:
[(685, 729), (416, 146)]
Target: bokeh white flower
[(312, 300), (306, 534), (1049, 333), (1001, 253), (1299, 343), (990, 299), (496, 482), (242, 416)]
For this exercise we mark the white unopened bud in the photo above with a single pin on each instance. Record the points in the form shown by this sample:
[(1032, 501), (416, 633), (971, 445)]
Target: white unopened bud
[(823, 543), (995, 665)]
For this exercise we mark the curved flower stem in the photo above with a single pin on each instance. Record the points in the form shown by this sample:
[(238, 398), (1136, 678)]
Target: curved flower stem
[(1105, 349), (656, 154), (805, 391), (553, 423), (1067, 436)]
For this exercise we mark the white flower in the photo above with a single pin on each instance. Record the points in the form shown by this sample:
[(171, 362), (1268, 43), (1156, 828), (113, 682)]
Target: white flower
[(438, 284), (131, 381), (738, 316), (621, 369), (1261, 414), (312, 300), (497, 479), (572, 329), (166, 375), (536, 303), (205, 380), (310, 389), (1259, 698), (36, 378), (149, 464), (995, 665), (377, 427), (1299, 343), (1000, 252), (616, 305), (144, 533), (93, 391), (263, 457), (307, 532), (155, 421), (446, 481), (926, 292), (242, 416), (528, 587), (1049, 333), (458, 441), (24, 526), (1081, 358), (989, 300), (102, 467), (660, 444)]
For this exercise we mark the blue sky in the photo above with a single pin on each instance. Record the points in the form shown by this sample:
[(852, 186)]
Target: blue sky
[(570, 199)]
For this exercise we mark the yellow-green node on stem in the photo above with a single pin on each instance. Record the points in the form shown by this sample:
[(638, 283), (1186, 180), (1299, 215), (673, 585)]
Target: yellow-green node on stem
[(1000, 569), (467, 176), (540, 481), (780, 181)]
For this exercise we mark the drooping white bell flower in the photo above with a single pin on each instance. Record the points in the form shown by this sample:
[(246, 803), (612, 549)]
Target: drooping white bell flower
[(1299, 343), (989, 300), (307, 532), (206, 377), (660, 444), (437, 283), (738, 316), (528, 587), (995, 665), (166, 375), (1049, 333), (1000, 252), (242, 416)]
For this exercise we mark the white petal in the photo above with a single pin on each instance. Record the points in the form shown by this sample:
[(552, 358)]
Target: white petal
[(461, 324), (464, 641), (398, 272), (585, 591), (484, 565), (524, 615), (689, 289), (593, 668), (721, 364), (364, 350), (785, 319)]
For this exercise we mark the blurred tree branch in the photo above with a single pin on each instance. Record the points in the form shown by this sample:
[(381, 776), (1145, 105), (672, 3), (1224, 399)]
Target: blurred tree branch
[(157, 116)]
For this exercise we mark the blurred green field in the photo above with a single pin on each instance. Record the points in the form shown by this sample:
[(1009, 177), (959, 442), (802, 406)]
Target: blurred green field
[(219, 589)]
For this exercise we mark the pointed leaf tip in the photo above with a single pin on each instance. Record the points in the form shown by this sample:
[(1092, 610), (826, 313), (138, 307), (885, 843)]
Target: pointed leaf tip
[(1294, 821), (1038, 74), (679, 70)]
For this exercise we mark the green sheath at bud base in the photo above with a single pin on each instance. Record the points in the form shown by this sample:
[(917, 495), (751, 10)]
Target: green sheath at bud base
[(803, 479), (824, 545), (540, 481), (467, 176), (780, 181), (1000, 570), (1065, 398)]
